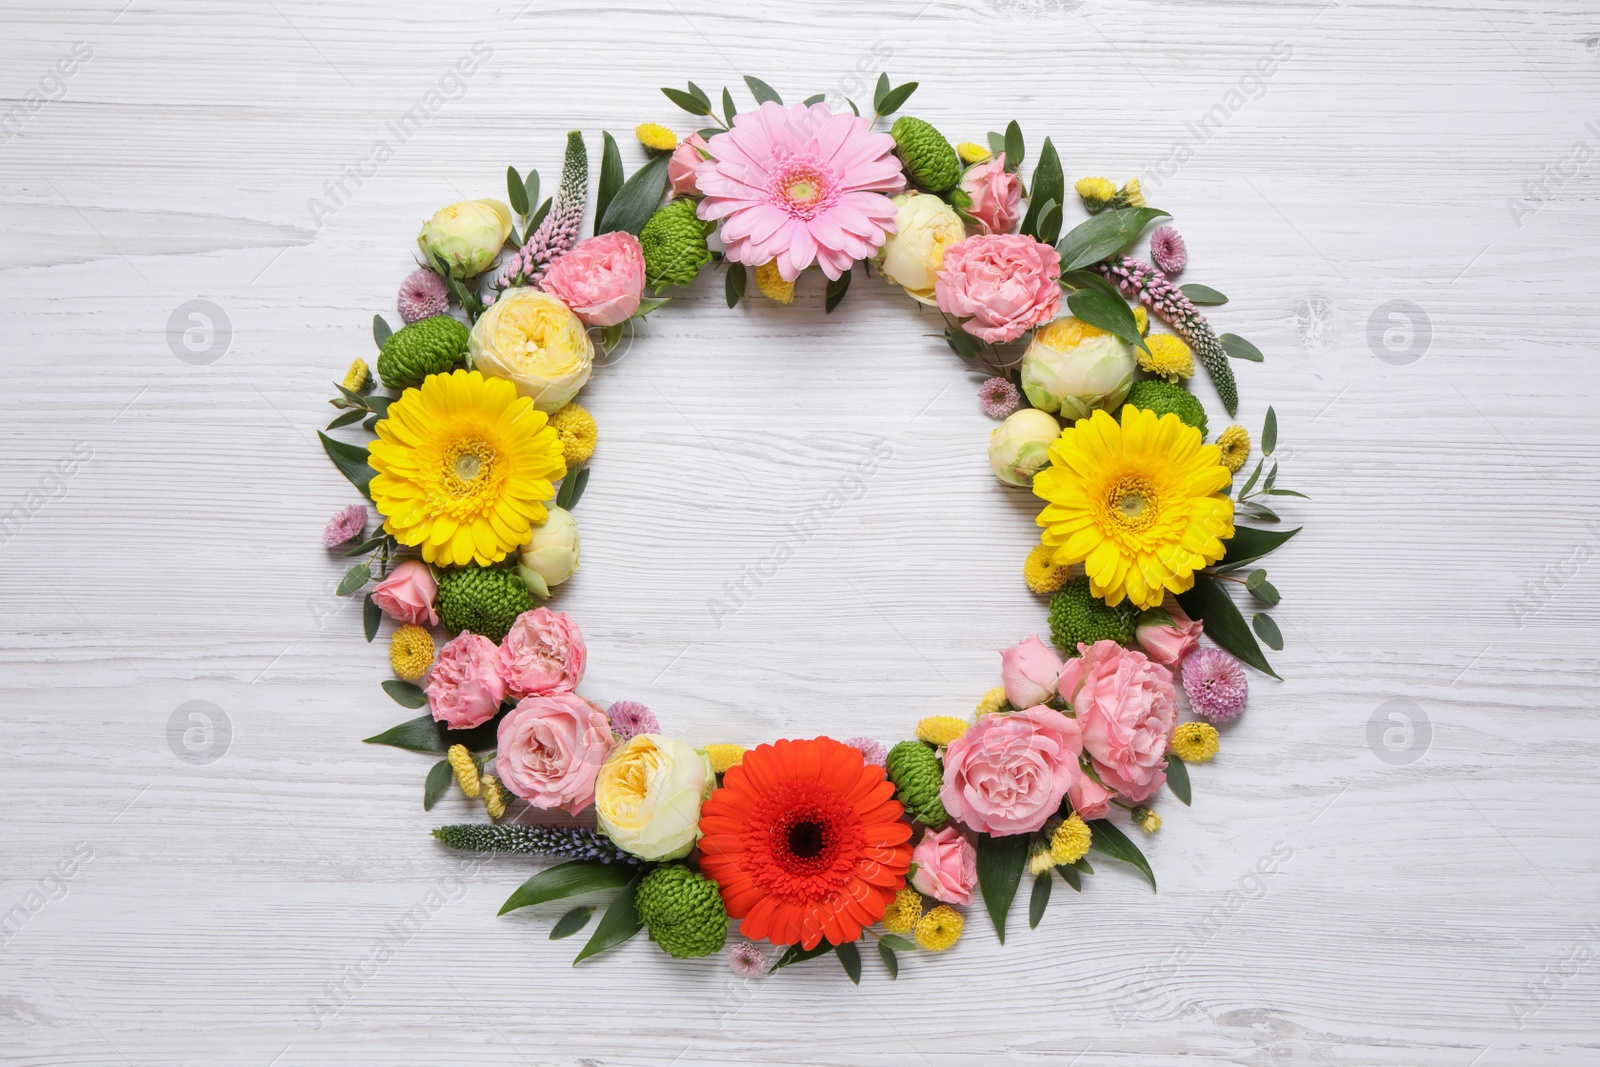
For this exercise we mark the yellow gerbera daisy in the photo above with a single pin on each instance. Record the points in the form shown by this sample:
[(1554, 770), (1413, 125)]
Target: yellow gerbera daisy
[(1138, 503), (464, 467)]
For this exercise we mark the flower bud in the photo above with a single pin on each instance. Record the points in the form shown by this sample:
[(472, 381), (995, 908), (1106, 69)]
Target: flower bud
[(1019, 447), (467, 235), (551, 555), (1075, 368)]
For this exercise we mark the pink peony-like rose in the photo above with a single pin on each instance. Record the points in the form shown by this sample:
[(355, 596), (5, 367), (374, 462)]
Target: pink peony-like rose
[(407, 594), (1007, 774), (681, 164), (542, 653), (1127, 712), (1002, 284), (1029, 671), (549, 750), (947, 866), (996, 195), (1166, 634), (1089, 798), (601, 279), (464, 686)]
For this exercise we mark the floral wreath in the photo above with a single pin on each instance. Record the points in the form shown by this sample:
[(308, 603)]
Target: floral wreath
[(811, 845)]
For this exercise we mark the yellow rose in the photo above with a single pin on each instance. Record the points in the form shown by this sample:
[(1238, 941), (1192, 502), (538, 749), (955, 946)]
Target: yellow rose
[(468, 234), (648, 796), (910, 257), (534, 341)]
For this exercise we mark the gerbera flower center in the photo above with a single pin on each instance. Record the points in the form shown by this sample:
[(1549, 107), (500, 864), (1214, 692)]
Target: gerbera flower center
[(1132, 503), (803, 841), (806, 839), (468, 466), (803, 187)]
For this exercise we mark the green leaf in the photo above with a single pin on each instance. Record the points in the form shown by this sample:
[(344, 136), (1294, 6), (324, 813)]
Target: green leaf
[(423, 734), (1070, 875), (1249, 544), (1014, 148), (1082, 864), (580, 483), (1268, 631), (890, 962), (1178, 778), (405, 694), (1269, 435), (735, 283), (1255, 578), (815, 99), (1202, 295), (1110, 313), (700, 95), (538, 217), (728, 110), (1288, 492), (354, 579), (1039, 900), (796, 954), (610, 174), (620, 922), (1001, 861), (530, 192), (880, 91), (895, 99), (997, 143), (1251, 481), (1239, 348), (1259, 511), (351, 461), (1224, 624), (1049, 185), (380, 404), (638, 198), (835, 292), (516, 191), (1104, 235), (1114, 843), (762, 91), (896, 941), (1267, 593), (367, 546), (568, 880), (1050, 223), (371, 615), (380, 330), (687, 101), (1088, 279), (346, 419), (850, 956), (853, 107), (571, 922), (440, 775), (963, 343)]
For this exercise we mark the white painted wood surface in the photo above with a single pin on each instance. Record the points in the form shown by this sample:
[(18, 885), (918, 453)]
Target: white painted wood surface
[(1436, 912)]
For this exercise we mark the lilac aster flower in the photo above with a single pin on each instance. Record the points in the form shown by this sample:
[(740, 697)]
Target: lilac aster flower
[(1168, 250), (871, 749), (629, 718), (999, 398), (747, 960), (422, 296), (346, 525), (1215, 683)]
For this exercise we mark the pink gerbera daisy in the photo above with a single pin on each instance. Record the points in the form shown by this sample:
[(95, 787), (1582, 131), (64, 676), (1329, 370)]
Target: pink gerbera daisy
[(800, 185)]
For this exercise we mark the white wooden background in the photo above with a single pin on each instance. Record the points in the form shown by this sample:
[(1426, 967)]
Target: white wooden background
[(1432, 895)]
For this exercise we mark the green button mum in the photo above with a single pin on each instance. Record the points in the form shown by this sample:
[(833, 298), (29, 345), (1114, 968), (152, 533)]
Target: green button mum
[(683, 911), (674, 244), (481, 600), (928, 157), (428, 346), (917, 774)]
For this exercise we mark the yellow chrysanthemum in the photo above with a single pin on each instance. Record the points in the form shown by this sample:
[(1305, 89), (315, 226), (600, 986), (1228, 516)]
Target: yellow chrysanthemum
[(578, 433), (1194, 742), (411, 652), (772, 285), (1041, 574), (1137, 502), (992, 702), (464, 468), (724, 756), (495, 797), (1145, 819), (656, 137), (466, 769), (1234, 444), (941, 729), (903, 912), (1130, 195), (971, 152), (1070, 842), (1039, 859), (939, 929), (1095, 192), (1141, 319), (1168, 357), (356, 378)]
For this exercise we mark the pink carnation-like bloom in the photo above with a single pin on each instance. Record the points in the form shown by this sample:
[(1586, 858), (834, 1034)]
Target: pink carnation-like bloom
[(629, 718), (464, 687), (346, 525), (872, 750), (947, 866), (800, 185), (601, 279), (1007, 774), (1169, 251), (422, 296), (1127, 711), (996, 195), (681, 165), (1029, 670), (1216, 684), (542, 653), (1167, 634), (1002, 284), (999, 398), (548, 750), (407, 594)]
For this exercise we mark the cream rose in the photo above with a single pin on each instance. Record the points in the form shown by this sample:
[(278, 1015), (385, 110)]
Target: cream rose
[(534, 341), (468, 235), (648, 796), (1076, 369), (910, 257)]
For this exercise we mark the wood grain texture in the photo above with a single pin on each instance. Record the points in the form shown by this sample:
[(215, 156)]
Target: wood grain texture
[(1438, 912)]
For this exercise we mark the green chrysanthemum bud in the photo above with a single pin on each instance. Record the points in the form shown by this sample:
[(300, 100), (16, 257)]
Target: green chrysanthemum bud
[(674, 244), (928, 157), (1078, 616), (917, 775), (683, 911), (1161, 397), (430, 346), (481, 600)]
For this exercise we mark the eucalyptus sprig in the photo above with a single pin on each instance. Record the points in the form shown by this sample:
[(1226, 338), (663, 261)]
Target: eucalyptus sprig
[(1248, 501), (357, 406)]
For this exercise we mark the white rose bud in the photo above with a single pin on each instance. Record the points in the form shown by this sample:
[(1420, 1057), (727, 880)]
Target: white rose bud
[(911, 256), (551, 555), (1019, 448), (1076, 369), (468, 235)]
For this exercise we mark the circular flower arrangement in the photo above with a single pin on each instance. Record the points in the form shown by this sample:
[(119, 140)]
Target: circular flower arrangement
[(811, 845)]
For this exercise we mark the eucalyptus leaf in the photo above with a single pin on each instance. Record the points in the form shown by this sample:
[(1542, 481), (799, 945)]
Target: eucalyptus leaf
[(351, 461), (440, 775), (880, 91), (1104, 235), (371, 615), (1207, 600), (1202, 295), (1288, 492), (1268, 631), (380, 330), (1259, 511), (728, 108), (963, 343), (406, 694), (1269, 433), (379, 403), (1272, 476), (890, 962), (367, 546), (762, 91), (579, 486), (1109, 313), (346, 419), (638, 198), (997, 144), (687, 101), (354, 579), (1239, 348), (1255, 578), (814, 99), (835, 292), (1001, 861), (1039, 900), (850, 957), (1267, 593), (610, 175), (853, 108), (568, 880), (1110, 841), (1014, 148), (1251, 481), (735, 283), (895, 99), (371, 422), (571, 923), (700, 96), (1178, 778), (530, 191), (516, 191)]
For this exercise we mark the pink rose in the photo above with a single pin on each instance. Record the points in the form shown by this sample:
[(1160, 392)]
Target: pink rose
[(1007, 774), (680, 167), (996, 195), (601, 279), (1166, 634), (543, 653), (1127, 712), (1003, 284), (1089, 798), (549, 750), (947, 866), (464, 686), (1029, 670), (407, 594)]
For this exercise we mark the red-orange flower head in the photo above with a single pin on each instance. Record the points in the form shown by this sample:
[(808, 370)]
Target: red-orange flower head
[(805, 841)]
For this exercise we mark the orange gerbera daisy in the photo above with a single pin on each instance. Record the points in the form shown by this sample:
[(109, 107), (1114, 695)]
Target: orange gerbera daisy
[(805, 840)]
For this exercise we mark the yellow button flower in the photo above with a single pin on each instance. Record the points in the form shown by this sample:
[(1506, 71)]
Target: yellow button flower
[(941, 729), (411, 652), (903, 912), (724, 756), (1194, 742), (656, 137), (939, 929), (1070, 842)]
